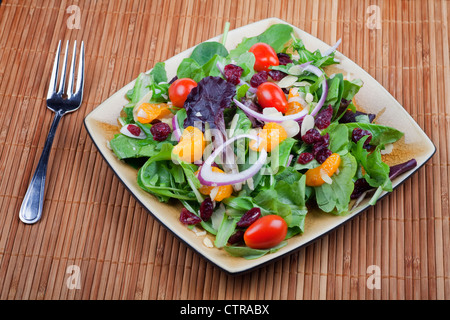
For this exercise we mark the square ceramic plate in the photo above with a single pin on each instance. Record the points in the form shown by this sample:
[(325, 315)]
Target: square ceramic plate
[(101, 124)]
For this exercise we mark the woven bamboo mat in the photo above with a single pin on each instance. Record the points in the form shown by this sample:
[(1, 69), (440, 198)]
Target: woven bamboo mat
[(91, 221)]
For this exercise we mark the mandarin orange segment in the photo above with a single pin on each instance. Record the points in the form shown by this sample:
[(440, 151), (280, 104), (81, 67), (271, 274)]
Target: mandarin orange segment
[(271, 136), (329, 167), (147, 112), (223, 192), (191, 145), (293, 105)]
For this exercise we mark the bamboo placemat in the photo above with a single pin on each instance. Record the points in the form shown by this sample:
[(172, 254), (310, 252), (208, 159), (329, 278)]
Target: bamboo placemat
[(90, 220)]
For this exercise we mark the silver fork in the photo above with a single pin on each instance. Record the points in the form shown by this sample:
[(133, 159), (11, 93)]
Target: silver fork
[(60, 102)]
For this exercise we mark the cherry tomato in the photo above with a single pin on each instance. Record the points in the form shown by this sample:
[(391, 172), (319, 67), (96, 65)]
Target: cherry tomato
[(271, 96), (265, 56), (266, 232), (179, 90)]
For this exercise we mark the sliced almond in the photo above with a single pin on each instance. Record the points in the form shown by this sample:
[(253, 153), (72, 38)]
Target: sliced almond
[(292, 128), (307, 124), (208, 243), (325, 176), (287, 81)]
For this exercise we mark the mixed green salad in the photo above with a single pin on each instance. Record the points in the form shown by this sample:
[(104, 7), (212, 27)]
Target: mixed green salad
[(250, 139)]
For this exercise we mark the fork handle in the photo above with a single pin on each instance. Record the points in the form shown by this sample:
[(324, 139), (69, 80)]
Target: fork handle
[(33, 202)]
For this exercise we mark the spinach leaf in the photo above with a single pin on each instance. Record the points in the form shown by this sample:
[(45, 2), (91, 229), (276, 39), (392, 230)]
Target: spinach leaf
[(376, 171), (246, 61), (202, 62), (287, 200), (226, 229), (189, 68), (210, 67), (276, 36), (380, 134), (160, 92), (206, 50), (351, 88), (339, 138), (140, 89), (279, 156), (144, 82), (237, 206), (250, 253), (125, 147), (156, 178), (334, 95), (243, 124), (155, 81), (161, 177), (310, 165), (289, 175), (335, 197), (305, 55), (241, 91)]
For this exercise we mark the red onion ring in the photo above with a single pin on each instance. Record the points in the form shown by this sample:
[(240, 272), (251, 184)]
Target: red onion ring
[(176, 128), (330, 50), (208, 177)]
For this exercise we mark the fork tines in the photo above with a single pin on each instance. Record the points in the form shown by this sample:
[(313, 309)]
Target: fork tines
[(52, 90)]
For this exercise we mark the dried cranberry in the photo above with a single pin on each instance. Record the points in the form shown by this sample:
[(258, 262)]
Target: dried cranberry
[(206, 209), (322, 143), (284, 58), (358, 133), (236, 237), (323, 119), (277, 75), (323, 154), (134, 130), (233, 73), (259, 78), (187, 217), (249, 217), (305, 157), (325, 139), (160, 131), (311, 136)]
